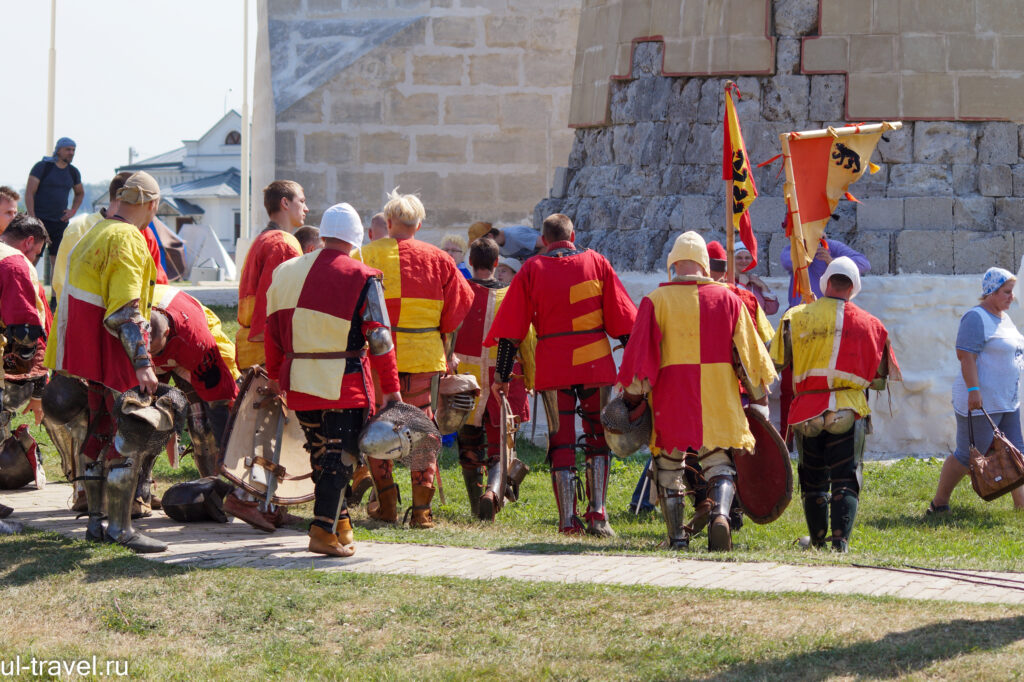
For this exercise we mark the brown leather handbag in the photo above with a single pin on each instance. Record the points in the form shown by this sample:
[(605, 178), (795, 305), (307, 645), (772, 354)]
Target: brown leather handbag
[(998, 471)]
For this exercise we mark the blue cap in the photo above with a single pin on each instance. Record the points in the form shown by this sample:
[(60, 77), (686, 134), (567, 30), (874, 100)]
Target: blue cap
[(64, 142)]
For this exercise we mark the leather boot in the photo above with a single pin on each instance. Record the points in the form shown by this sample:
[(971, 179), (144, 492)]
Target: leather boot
[(721, 491), (474, 479), (701, 515), (361, 482), (79, 504), (344, 531), (385, 506), (816, 513), (93, 482), (248, 511), (280, 517), (120, 488), (493, 498), (323, 541), (421, 517), (597, 492), (564, 483)]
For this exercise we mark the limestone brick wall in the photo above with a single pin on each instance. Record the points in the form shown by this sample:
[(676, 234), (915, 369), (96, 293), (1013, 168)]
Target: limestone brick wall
[(949, 198), (465, 102)]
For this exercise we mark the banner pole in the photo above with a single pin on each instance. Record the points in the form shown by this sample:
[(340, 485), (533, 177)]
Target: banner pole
[(797, 249), (730, 234)]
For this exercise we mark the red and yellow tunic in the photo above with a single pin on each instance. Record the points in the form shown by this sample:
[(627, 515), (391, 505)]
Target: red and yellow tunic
[(426, 296), (574, 302), (837, 349), (110, 267), (681, 353), (315, 306), (480, 361), (761, 323), (197, 349), (23, 301), (272, 247)]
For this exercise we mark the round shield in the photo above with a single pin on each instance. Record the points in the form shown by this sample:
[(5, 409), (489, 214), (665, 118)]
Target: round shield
[(764, 477)]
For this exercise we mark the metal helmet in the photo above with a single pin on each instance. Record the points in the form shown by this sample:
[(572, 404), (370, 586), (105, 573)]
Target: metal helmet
[(400, 431), (145, 422), (64, 398), (626, 430), (457, 394), (16, 470), (17, 394), (199, 500)]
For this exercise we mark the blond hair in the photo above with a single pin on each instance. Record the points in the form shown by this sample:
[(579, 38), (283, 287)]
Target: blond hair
[(454, 239), (404, 208)]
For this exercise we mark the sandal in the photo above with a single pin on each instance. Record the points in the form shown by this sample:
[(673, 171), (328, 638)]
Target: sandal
[(937, 509)]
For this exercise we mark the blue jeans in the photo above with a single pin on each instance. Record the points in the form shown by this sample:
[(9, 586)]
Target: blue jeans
[(641, 494), (1007, 422)]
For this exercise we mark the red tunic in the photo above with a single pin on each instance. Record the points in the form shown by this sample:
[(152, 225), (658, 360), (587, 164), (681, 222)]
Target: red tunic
[(23, 301), (315, 305), (272, 247), (574, 302), (154, 250), (192, 348)]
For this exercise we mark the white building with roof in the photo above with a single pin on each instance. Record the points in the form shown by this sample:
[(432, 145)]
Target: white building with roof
[(200, 182)]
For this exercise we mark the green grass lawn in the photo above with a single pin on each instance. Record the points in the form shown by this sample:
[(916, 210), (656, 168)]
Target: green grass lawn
[(65, 599)]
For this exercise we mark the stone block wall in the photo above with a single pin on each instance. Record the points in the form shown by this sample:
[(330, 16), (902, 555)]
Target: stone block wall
[(465, 102), (948, 198)]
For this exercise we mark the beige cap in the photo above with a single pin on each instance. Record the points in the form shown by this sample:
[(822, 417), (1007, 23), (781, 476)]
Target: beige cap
[(689, 246), (477, 230), (140, 188)]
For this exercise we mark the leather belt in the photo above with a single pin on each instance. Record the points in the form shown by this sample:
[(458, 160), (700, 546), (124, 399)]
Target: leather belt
[(582, 331), (416, 330)]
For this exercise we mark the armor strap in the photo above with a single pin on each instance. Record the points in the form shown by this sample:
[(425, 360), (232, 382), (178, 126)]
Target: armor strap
[(277, 469), (416, 330), (332, 355), (506, 358)]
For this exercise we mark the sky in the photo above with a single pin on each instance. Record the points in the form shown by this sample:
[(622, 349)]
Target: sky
[(130, 73)]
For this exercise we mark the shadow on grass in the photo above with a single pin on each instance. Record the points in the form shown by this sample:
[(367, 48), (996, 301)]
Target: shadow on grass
[(42, 555), (895, 655)]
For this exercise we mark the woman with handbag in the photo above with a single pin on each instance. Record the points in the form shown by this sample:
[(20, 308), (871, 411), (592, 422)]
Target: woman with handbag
[(991, 354)]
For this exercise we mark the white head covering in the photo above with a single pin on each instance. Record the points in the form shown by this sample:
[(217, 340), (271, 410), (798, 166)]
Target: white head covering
[(342, 222), (842, 266), (689, 246), (512, 264), (993, 279)]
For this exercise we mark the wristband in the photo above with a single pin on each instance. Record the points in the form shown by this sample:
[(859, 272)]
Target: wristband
[(973, 388)]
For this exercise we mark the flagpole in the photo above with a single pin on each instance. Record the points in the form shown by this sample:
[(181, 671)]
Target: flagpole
[(730, 233), (51, 78), (793, 207), (847, 131)]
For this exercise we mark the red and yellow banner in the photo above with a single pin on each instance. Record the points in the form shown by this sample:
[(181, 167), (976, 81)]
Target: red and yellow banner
[(736, 167)]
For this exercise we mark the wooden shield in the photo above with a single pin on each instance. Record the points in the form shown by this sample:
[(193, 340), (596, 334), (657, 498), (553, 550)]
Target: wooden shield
[(255, 458), (764, 478)]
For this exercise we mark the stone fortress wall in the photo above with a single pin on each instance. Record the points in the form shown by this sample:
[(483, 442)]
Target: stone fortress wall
[(647, 104), (465, 102)]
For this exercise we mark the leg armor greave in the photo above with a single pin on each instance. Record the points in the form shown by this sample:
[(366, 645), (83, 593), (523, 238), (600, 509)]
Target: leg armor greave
[(597, 493), (565, 484), (816, 506), (493, 498), (721, 491), (122, 480), (844, 512), (669, 474), (92, 479)]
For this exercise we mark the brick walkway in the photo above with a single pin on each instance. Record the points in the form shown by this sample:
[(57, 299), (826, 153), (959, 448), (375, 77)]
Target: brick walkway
[(235, 544)]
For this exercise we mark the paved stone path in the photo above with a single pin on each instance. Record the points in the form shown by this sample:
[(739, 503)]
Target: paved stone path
[(235, 544)]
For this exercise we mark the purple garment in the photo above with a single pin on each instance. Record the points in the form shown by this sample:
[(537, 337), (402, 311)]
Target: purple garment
[(817, 267)]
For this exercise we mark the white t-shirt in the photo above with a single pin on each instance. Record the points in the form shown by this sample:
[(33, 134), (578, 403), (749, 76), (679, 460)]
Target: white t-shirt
[(1000, 356)]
